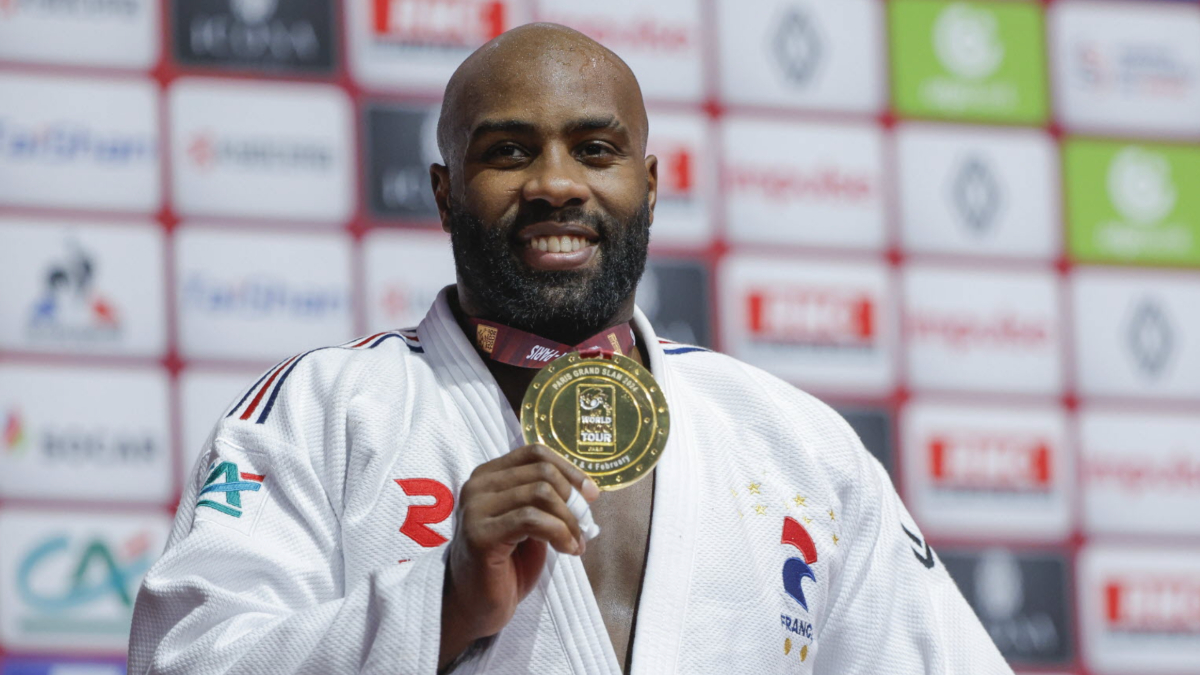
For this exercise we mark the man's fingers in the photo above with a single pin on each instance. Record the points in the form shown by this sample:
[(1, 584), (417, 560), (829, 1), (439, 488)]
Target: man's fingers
[(544, 472), (540, 495), (537, 452), (526, 522)]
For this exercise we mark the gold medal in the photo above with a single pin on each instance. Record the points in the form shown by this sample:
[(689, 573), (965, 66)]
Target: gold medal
[(606, 415)]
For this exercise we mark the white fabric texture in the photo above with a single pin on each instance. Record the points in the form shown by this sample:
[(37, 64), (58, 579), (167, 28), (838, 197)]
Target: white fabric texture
[(311, 537)]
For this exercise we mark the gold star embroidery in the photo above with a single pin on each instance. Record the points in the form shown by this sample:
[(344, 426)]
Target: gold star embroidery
[(740, 514), (733, 492), (831, 515), (803, 653), (754, 488), (760, 509), (799, 500), (807, 520), (835, 540), (787, 646)]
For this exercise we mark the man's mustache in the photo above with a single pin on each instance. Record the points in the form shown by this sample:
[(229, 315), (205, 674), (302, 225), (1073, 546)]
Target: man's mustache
[(535, 213)]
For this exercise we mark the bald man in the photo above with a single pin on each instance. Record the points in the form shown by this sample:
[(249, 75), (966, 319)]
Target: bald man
[(372, 507)]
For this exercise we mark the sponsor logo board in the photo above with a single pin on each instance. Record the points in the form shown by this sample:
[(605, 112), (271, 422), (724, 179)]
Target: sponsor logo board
[(988, 471), (96, 434), (1137, 334), (68, 287), (265, 150), (116, 33), (401, 144), (1132, 68), (266, 35), (968, 60), (1020, 597), (802, 53), (405, 270), (1139, 608), (661, 41), (415, 45), (819, 324), (204, 396), (98, 136), (982, 331), (820, 185), (68, 579), (673, 294), (973, 191), (1132, 202), (260, 296), (686, 179), (1140, 472)]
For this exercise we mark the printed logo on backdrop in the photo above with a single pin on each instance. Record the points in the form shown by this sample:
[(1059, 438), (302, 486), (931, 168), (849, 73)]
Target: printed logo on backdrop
[(113, 33), (63, 142), (209, 151), (262, 296), (70, 447), (1148, 216), (1020, 599), (674, 296), (401, 144), (976, 195), (1150, 604), (996, 463), (435, 25), (815, 319), (1150, 337), (274, 35), (69, 306), (797, 45), (70, 584), (968, 59)]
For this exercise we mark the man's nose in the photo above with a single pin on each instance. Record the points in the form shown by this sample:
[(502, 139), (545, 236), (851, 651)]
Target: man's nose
[(557, 179)]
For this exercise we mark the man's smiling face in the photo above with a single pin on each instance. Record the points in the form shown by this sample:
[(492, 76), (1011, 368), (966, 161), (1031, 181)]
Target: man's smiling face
[(548, 195)]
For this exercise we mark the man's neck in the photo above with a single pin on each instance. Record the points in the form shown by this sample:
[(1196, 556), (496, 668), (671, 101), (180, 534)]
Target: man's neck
[(514, 380)]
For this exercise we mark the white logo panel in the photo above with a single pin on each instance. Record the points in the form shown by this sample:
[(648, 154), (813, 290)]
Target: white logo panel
[(204, 396), (1140, 472), (686, 178), (97, 136), (1138, 609), (263, 150), (819, 324), (415, 45), (99, 434), (988, 471), (1137, 334), (68, 579), (1127, 67), (966, 40), (405, 270), (261, 296), (661, 41), (802, 53), (70, 287), (820, 185), (114, 34), (983, 331), (978, 191)]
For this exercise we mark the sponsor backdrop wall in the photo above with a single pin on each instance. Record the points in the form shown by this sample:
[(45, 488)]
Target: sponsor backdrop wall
[(973, 227)]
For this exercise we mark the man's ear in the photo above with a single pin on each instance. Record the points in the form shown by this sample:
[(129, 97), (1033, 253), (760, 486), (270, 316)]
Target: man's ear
[(439, 179), (652, 183)]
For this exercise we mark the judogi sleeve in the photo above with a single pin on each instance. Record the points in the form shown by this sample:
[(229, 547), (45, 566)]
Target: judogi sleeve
[(893, 607), (252, 578)]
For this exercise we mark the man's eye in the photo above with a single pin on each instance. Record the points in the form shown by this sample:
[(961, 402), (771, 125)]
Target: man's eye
[(507, 151), (595, 149)]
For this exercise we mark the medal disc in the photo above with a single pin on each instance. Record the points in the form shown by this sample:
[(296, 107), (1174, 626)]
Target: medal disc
[(606, 415)]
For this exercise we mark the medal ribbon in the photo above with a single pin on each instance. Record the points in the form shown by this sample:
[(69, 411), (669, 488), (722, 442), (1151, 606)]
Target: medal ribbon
[(526, 350)]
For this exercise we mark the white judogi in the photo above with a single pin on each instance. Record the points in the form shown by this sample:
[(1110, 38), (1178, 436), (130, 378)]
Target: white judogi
[(311, 536)]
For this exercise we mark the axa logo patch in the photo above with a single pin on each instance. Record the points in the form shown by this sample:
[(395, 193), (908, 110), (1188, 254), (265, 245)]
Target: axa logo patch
[(796, 570)]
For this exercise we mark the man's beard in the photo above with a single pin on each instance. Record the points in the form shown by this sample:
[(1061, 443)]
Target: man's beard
[(565, 305)]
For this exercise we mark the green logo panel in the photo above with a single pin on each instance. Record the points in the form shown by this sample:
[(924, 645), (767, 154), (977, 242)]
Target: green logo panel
[(1133, 202), (969, 60)]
